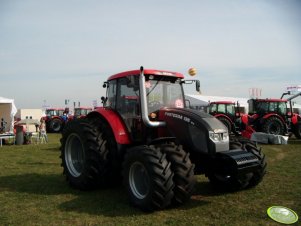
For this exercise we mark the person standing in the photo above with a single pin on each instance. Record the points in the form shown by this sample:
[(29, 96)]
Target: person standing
[(42, 129)]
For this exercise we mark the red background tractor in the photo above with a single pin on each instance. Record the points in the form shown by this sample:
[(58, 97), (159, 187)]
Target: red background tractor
[(55, 119), (273, 116), (228, 113)]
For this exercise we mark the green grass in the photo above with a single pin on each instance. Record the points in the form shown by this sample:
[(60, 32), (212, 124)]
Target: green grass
[(33, 191)]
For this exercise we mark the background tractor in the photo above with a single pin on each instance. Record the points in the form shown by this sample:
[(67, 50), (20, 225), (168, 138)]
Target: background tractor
[(55, 119), (146, 135), (273, 116), (228, 113)]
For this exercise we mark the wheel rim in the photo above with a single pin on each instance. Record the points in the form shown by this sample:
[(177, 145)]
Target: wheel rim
[(74, 155), (56, 126), (139, 180)]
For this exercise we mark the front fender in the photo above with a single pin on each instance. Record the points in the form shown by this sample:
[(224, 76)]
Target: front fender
[(113, 119)]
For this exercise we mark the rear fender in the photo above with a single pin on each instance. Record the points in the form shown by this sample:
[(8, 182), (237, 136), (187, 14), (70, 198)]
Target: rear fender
[(272, 114), (55, 117), (225, 116), (113, 119)]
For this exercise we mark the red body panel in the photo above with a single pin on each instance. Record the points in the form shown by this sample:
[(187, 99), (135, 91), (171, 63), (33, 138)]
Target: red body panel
[(117, 125), (295, 118), (146, 71)]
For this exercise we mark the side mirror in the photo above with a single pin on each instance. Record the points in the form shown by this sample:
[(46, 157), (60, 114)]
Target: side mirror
[(103, 99), (197, 85)]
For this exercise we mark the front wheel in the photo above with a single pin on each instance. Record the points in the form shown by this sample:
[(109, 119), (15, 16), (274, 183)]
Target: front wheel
[(297, 130), (183, 170), (148, 178)]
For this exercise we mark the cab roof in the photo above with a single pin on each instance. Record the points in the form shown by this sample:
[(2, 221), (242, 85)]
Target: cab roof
[(147, 72), (55, 109), (222, 102), (270, 100)]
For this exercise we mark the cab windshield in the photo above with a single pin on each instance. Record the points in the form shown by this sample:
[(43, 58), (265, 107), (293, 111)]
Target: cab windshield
[(51, 112), (222, 108), (82, 111), (164, 93)]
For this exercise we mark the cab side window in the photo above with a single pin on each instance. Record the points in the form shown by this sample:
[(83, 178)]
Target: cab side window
[(111, 94)]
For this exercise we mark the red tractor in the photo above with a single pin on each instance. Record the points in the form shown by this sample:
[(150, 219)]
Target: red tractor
[(273, 116), (227, 113), (146, 135), (55, 119)]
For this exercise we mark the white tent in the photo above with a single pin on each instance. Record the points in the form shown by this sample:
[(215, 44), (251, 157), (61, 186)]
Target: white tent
[(7, 112)]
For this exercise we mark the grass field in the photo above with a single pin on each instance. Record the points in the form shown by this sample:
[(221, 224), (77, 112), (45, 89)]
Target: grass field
[(33, 191)]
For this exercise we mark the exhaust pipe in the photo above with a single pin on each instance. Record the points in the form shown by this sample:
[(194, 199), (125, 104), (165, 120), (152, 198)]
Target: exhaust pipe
[(144, 109)]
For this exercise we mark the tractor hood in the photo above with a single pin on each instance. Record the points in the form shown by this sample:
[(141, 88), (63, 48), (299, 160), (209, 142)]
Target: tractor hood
[(197, 130)]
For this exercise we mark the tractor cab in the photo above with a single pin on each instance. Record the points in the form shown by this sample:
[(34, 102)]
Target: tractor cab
[(268, 106), (54, 112), (222, 107), (81, 112), (162, 89)]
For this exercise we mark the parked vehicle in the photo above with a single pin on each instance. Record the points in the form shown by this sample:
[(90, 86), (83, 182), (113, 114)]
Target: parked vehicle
[(55, 119), (146, 135), (273, 116), (228, 113)]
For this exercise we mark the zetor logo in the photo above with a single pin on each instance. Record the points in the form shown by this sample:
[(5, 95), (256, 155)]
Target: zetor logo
[(181, 117)]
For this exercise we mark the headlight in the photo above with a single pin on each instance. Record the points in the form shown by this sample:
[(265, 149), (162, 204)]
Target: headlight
[(216, 137)]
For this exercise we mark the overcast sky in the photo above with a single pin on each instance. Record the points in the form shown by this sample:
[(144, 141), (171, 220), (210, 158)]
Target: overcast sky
[(56, 50)]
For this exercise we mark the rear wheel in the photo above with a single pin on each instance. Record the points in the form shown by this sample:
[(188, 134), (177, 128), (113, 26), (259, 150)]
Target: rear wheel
[(148, 178), (55, 125), (183, 170), (226, 122), (84, 155), (273, 125)]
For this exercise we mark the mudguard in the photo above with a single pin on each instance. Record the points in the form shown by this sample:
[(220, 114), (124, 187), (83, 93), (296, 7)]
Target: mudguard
[(116, 123)]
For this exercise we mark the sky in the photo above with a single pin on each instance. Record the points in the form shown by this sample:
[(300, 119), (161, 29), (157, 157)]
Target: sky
[(57, 50)]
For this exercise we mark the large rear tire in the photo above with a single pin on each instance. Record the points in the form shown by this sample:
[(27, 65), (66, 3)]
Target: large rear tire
[(84, 155), (183, 170), (148, 178), (273, 125)]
